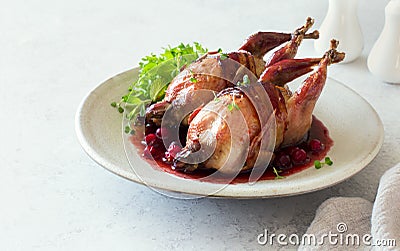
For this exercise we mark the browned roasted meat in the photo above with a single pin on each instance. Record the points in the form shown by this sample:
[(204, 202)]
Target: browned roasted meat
[(212, 71), (229, 130)]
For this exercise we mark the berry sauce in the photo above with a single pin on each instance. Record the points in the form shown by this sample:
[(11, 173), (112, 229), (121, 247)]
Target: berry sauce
[(287, 161)]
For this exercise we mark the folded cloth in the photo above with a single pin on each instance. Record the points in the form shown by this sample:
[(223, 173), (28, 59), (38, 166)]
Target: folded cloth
[(377, 226), (343, 218), (386, 212)]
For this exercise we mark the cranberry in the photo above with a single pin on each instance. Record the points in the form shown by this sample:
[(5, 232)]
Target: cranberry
[(150, 128), (299, 156), (291, 149), (150, 138), (283, 161), (162, 132), (316, 145), (172, 151)]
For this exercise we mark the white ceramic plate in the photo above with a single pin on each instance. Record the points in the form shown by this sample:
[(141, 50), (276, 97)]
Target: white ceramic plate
[(353, 124)]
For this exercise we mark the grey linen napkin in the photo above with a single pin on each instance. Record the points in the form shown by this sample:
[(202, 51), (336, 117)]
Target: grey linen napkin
[(359, 217), (340, 216), (386, 212)]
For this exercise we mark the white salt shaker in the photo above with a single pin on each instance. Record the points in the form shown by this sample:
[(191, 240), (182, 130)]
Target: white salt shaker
[(384, 58), (341, 23)]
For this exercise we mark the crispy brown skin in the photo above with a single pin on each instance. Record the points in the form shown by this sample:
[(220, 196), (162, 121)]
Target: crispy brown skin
[(293, 116)]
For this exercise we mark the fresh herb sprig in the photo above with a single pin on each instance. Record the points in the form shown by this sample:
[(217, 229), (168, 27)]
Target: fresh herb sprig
[(277, 175), (232, 106), (245, 82), (318, 164), (222, 55), (193, 78), (156, 72)]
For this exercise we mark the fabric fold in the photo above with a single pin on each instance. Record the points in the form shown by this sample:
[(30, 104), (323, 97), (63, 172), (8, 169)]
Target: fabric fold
[(386, 211), (340, 216)]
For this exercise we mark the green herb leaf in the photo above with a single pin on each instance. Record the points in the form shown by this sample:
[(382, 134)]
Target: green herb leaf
[(245, 82), (156, 73), (157, 88), (232, 106), (193, 80), (318, 164), (127, 129), (328, 161), (114, 104), (223, 56), (277, 175)]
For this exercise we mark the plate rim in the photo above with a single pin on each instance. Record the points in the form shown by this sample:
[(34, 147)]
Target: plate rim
[(97, 158)]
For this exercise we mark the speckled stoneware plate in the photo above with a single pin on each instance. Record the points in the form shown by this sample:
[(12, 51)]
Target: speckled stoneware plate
[(353, 124)]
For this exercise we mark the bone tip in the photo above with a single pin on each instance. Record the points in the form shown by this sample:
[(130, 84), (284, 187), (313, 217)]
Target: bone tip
[(309, 22), (315, 34), (334, 44), (333, 55)]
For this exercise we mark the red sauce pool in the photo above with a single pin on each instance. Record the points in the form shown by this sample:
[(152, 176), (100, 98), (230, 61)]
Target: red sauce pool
[(317, 131)]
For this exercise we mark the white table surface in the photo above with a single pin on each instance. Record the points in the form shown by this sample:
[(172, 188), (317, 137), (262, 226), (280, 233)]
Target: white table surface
[(53, 196)]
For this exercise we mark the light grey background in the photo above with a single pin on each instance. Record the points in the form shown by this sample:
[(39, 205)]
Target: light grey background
[(53, 52)]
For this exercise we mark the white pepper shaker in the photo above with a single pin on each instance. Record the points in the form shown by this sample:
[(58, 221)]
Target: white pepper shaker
[(384, 58), (341, 23)]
